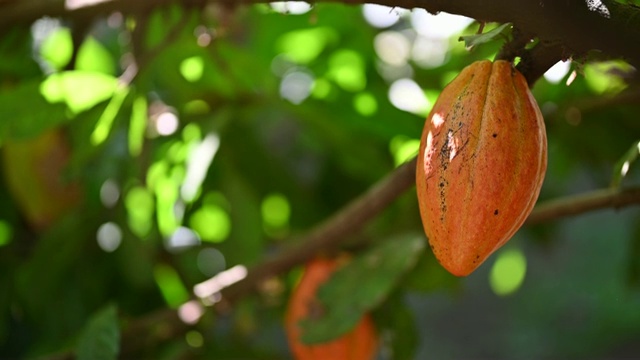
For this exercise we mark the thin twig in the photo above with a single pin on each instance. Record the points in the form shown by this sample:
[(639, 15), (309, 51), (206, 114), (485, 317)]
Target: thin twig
[(330, 233), (582, 203)]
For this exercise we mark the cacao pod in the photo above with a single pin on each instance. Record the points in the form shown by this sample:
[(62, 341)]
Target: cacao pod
[(34, 170), (360, 343), (482, 160)]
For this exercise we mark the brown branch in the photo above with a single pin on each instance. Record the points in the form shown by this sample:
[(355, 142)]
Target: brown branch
[(582, 203), (331, 233), (570, 25)]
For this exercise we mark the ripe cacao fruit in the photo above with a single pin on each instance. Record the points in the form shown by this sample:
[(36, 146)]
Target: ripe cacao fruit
[(482, 160), (360, 343)]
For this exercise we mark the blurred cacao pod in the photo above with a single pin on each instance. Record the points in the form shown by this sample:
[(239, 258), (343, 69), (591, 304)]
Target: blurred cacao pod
[(34, 171), (359, 344)]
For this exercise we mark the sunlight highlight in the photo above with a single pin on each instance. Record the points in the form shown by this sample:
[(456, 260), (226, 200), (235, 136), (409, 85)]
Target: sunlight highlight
[(109, 236), (198, 163), (508, 272), (181, 239), (109, 193), (190, 312), (291, 7), (166, 123), (381, 16), (296, 86), (406, 94), (557, 72), (211, 287)]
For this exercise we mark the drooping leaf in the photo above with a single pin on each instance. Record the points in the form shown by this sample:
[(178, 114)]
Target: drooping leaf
[(471, 41), (105, 122), (100, 340), (361, 285), (621, 168), (396, 317)]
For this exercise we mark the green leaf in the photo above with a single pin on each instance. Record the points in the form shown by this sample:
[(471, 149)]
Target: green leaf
[(80, 90), (24, 112), (94, 57), (471, 41), (100, 340), (105, 122), (361, 285), (57, 48), (621, 169)]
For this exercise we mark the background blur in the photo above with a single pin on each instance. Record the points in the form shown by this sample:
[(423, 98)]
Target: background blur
[(153, 152)]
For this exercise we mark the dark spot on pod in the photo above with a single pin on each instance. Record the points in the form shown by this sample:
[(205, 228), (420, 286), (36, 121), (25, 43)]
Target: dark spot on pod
[(494, 135), (495, 212), (441, 184)]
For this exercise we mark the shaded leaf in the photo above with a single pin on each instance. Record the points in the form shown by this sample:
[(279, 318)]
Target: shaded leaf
[(362, 285), (100, 340), (24, 112), (471, 41), (621, 169)]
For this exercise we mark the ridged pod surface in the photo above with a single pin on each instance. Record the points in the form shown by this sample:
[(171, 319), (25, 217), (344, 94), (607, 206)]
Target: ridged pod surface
[(482, 160), (359, 344)]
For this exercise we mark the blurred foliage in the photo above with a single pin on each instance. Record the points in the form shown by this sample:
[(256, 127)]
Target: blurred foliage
[(184, 142)]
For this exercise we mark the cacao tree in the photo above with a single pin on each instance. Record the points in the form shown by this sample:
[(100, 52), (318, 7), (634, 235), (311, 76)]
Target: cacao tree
[(173, 170)]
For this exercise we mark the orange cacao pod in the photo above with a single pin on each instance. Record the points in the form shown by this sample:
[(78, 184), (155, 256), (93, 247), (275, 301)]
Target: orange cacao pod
[(482, 160), (360, 343)]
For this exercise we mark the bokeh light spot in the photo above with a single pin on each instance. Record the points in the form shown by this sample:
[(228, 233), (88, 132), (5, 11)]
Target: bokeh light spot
[(403, 148), (392, 47), (5, 233), (296, 86), (557, 72), (140, 205), (192, 68), (303, 46), (194, 338), (275, 211), (321, 88), (211, 261), (347, 69), (291, 7), (365, 104), (405, 94), (508, 272), (441, 26), (109, 193), (182, 238), (166, 123), (211, 222), (381, 16), (109, 236)]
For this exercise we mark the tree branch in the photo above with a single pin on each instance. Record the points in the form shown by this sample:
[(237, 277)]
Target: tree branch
[(582, 203), (331, 233), (568, 27), (355, 215)]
